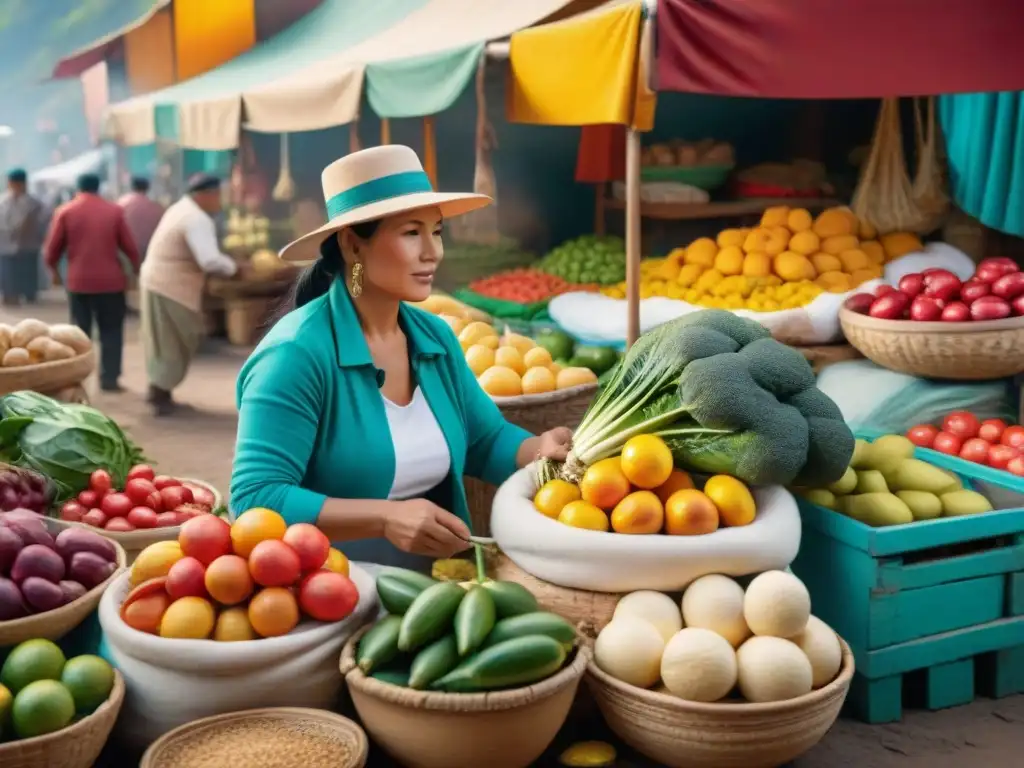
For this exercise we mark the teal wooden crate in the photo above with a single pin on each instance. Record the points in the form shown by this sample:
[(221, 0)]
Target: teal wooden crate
[(941, 601)]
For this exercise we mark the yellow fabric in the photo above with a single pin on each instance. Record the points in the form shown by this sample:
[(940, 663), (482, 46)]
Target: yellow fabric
[(582, 71), (149, 54), (207, 34), (646, 100)]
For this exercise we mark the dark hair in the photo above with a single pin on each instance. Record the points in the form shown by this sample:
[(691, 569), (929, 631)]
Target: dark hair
[(17, 176), (315, 280), (89, 182), (140, 185)]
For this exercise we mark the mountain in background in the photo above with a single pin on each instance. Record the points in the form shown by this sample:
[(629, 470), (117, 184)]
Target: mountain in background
[(34, 34)]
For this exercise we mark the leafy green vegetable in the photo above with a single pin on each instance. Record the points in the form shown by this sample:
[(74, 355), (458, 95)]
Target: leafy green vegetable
[(63, 441), (726, 397)]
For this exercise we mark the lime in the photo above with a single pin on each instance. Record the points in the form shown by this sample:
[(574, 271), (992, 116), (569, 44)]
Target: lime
[(41, 707), (32, 660), (5, 709), (89, 679)]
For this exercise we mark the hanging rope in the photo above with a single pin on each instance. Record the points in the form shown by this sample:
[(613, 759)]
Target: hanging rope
[(284, 189)]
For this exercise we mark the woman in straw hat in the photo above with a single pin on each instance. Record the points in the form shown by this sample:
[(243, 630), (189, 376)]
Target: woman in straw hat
[(357, 412)]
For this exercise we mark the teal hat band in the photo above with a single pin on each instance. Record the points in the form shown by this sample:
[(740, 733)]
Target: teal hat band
[(376, 190)]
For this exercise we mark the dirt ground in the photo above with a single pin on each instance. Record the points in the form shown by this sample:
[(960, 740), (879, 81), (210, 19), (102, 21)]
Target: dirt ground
[(199, 443)]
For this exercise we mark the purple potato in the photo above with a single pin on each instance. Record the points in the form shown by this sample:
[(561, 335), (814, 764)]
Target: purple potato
[(31, 531), (89, 569), (10, 546), (73, 540), (11, 604), (42, 595), (37, 560), (72, 591)]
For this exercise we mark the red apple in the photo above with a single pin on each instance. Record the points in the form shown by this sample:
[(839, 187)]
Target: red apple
[(882, 290), (941, 284), (1009, 286), (956, 312), (912, 284), (990, 308), (973, 290), (891, 306), (925, 309)]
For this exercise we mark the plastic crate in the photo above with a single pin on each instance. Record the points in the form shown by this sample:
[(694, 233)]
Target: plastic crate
[(934, 608)]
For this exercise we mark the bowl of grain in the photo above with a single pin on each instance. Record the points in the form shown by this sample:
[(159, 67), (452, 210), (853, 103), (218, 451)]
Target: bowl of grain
[(281, 737)]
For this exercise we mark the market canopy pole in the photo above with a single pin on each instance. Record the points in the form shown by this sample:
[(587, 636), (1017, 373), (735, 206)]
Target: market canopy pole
[(430, 149), (632, 236)]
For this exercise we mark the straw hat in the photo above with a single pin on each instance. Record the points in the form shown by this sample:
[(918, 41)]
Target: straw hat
[(372, 184)]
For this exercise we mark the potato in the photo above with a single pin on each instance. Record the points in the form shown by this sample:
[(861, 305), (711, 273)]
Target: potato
[(878, 509), (71, 336), (27, 330), (5, 338), (37, 348), (15, 358), (57, 351)]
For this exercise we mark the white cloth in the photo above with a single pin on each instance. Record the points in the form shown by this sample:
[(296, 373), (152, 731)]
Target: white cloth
[(201, 235), (422, 459)]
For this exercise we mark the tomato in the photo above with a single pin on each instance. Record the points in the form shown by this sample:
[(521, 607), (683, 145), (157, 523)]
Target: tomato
[(163, 481), (100, 481), (141, 472), (991, 430), (95, 517), (138, 490), (116, 505), (1016, 466), (119, 524), (922, 435), (166, 519), (142, 517), (947, 442), (976, 450), (72, 511), (89, 499), (963, 424), (175, 495), (1001, 455), (202, 496), (155, 502), (1013, 437)]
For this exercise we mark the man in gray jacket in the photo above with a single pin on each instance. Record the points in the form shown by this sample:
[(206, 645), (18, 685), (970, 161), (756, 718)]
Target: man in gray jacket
[(20, 240)]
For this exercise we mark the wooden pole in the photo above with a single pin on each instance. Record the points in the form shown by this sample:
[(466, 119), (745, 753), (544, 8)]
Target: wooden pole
[(632, 236), (430, 149), (385, 131)]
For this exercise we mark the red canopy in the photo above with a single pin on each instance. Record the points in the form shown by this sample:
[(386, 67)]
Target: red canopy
[(819, 49)]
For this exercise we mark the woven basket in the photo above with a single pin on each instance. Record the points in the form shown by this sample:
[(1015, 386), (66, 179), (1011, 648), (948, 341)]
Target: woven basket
[(535, 414), (589, 612), (53, 625), (503, 729), (977, 351), (77, 746), (160, 753), (133, 542), (48, 377), (686, 734)]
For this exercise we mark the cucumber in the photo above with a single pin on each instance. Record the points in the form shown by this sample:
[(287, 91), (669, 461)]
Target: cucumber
[(397, 588), (380, 644), (434, 662), (511, 599), (397, 677), (474, 620), (430, 615), (512, 663), (536, 623)]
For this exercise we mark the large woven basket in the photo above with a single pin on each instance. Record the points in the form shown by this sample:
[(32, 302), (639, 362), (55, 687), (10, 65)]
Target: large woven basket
[(535, 414), (978, 351), (77, 746), (502, 729), (687, 734), (48, 377), (160, 753), (53, 625), (133, 542)]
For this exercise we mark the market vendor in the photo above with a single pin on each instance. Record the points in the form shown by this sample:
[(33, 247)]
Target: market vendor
[(357, 412), (182, 252)]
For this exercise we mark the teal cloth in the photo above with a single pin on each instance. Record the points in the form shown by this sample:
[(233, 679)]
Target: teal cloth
[(312, 423), (421, 85), (984, 135)]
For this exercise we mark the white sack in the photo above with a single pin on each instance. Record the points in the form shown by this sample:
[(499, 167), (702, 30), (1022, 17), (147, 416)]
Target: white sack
[(608, 562), (172, 682)]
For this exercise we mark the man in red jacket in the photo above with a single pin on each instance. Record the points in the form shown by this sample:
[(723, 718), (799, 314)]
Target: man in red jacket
[(90, 230)]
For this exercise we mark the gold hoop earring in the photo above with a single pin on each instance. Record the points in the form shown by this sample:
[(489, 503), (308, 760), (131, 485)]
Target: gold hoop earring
[(356, 288)]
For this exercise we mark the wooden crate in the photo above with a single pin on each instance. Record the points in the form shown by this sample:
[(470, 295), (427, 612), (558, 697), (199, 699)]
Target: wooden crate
[(933, 608)]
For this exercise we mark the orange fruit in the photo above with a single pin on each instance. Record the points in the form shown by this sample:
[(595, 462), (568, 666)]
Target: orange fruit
[(677, 481), (155, 561), (233, 625), (734, 500), (273, 612), (228, 580), (604, 485), (554, 495), (144, 613), (254, 526), (640, 512), (690, 513), (337, 562), (583, 514), (190, 617), (646, 461)]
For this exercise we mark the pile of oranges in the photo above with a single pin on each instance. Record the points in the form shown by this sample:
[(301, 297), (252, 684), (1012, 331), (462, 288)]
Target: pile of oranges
[(254, 578), (641, 492)]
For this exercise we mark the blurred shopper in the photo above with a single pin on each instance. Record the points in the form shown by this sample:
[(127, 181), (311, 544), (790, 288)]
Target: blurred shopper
[(21, 229), (141, 212), (183, 251), (91, 231)]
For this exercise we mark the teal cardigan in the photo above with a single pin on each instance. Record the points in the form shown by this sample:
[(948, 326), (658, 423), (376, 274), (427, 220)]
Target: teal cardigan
[(312, 423)]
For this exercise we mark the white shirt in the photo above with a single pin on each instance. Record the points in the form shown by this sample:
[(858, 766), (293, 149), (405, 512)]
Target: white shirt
[(422, 460), (200, 233)]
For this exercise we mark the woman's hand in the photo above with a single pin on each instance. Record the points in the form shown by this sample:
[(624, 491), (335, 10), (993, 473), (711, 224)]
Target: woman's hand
[(423, 528), (553, 444)]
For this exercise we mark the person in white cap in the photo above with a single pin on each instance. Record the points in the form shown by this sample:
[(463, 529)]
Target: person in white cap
[(358, 413)]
